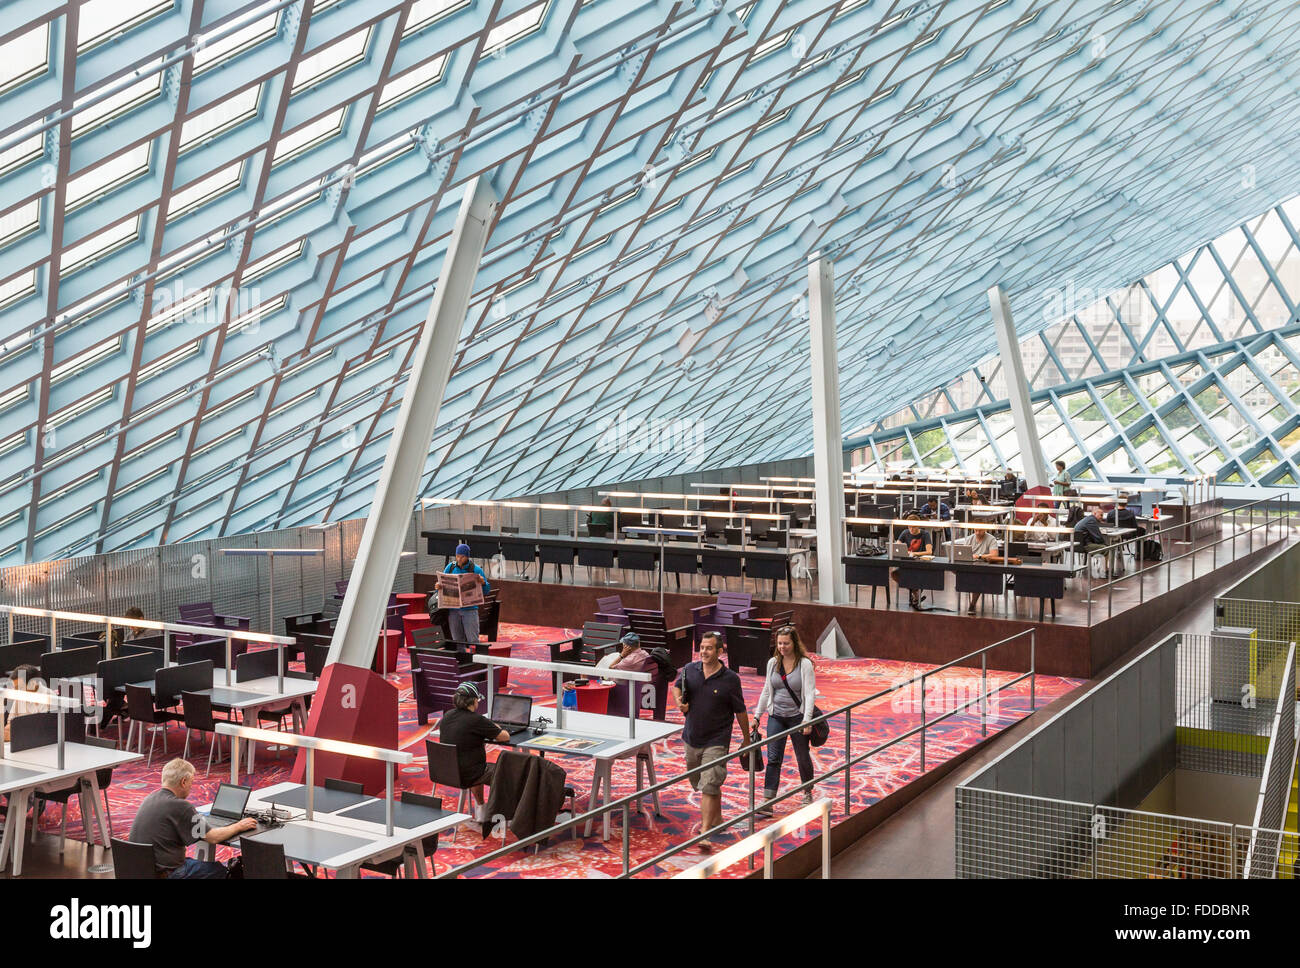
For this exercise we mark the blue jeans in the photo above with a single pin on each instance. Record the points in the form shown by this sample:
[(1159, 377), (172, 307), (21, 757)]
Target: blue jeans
[(776, 753), (463, 623), (199, 869)]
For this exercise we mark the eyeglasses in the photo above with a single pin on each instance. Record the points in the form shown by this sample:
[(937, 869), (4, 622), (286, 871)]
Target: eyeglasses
[(786, 630)]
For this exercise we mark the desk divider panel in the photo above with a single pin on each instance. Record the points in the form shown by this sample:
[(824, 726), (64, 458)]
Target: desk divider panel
[(71, 662), (177, 679)]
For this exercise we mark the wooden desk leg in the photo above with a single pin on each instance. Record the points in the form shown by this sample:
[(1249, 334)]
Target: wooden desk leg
[(1041, 603), (6, 843), (650, 776)]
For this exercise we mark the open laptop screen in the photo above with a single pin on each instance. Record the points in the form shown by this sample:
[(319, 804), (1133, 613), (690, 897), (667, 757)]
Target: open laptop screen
[(230, 801), (508, 710)]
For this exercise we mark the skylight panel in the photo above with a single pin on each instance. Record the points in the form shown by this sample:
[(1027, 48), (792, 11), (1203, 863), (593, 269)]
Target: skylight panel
[(85, 359), (112, 173), (100, 20), (77, 409), (416, 79), (516, 28), (425, 12), (205, 190), (25, 58), (221, 117), (178, 309), (235, 43), (20, 221), (14, 289), (169, 360), (149, 86), (338, 56), (273, 260), (22, 152), (100, 244), (308, 135)]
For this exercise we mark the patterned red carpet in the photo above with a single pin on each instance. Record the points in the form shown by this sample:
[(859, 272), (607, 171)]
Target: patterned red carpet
[(838, 683)]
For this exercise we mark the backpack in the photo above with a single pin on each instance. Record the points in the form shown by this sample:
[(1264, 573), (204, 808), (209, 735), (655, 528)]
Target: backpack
[(665, 663), (1151, 550)]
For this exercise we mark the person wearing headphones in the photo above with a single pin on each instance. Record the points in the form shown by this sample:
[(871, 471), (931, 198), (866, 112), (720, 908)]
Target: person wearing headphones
[(469, 731), (463, 621)]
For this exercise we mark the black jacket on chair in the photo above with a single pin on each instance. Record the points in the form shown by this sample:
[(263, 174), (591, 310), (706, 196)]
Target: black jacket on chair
[(527, 789)]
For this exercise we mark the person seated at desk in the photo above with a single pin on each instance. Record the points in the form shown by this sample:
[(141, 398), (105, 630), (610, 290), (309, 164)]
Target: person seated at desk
[(602, 519), (1088, 531), (167, 820), (919, 544), (983, 546), (1122, 516), (945, 514), (466, 729)]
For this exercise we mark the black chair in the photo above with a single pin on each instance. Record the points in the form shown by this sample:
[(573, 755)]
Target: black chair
[(263, 861), (444, 769), (196, 713), (428, 846), (104, 777), (142, 712), (132, 861), (345, 786), (598, 530)]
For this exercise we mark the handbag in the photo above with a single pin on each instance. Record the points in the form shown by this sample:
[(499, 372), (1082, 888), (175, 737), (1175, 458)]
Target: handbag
[(753, 760), (821, 731)]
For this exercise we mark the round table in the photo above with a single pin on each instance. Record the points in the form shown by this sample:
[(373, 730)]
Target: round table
[(412, 621), (594, 697), (389, 647), (414, 601)]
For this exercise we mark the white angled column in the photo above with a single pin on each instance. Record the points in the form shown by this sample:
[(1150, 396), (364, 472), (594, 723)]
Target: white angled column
[(1013, 368), (828, 442), (362, 614)]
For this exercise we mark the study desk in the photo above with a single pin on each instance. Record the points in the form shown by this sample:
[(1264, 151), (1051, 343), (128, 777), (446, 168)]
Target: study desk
[(609, 742), (1044, 582), (344, 838), (37, 771), (712, 559), (250, 697)]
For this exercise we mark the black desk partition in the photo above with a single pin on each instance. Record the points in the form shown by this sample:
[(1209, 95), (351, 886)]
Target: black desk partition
[(177, 679), (22, 653), (257, 665), (71, 662), (213, 650), (131, 668), (33, 730)]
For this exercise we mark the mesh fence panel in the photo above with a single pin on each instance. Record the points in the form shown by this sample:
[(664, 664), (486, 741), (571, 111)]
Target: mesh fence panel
[(1227, 687), (1272, 621), (1003, 835)]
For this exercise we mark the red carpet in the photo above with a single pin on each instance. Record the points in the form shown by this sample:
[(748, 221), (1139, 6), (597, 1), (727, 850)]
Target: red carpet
[(838, 683)]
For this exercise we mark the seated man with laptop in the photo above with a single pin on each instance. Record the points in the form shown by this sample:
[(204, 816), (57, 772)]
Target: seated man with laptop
[(167, 820), (469, 731)]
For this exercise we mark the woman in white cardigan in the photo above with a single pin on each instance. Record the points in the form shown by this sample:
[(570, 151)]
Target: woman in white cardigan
[(789, 693)]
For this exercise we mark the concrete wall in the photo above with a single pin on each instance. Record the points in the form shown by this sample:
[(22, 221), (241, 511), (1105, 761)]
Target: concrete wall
[(1276, 581)]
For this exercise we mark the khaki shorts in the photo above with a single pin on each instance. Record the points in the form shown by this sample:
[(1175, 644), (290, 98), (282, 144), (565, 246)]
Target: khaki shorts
[(710, 781)]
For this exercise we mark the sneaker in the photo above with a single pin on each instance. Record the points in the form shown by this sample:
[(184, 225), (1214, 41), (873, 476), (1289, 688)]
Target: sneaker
[(808, 796), (763, 809)]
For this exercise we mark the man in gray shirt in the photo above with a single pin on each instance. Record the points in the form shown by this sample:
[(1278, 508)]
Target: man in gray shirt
[(169, 821)]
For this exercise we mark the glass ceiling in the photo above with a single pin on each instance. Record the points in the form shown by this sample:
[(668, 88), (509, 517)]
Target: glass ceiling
[(1165, 378), (221, 222)]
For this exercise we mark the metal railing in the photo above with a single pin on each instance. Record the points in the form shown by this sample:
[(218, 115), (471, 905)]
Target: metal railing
[(764, 839), (1270, 520), (851, 760)]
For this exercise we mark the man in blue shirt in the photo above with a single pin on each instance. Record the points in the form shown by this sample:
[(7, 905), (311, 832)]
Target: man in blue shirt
[(709, 696), (464, 621)]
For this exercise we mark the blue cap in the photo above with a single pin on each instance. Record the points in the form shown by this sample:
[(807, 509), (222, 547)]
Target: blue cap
[(462, 549)]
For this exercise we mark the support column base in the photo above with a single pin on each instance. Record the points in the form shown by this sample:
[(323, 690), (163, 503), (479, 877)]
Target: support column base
[(356, 706)]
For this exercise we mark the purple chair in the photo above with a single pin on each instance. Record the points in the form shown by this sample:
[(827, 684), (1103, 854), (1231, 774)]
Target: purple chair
[(610, 609), (436, 679), (730, 608)]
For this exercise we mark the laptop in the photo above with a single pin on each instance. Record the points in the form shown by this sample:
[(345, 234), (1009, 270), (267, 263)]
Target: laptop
[(900, 550), (229, 803), (512, 713), (963, 552)]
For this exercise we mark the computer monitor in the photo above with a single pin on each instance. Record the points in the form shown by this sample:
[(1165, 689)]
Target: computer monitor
[(511, 711)]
